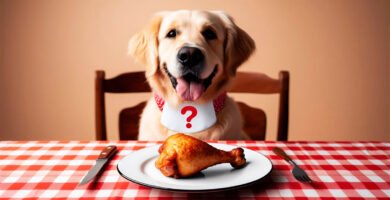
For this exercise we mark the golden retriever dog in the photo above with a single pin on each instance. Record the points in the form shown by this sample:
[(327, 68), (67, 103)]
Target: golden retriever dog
[(191, 56)]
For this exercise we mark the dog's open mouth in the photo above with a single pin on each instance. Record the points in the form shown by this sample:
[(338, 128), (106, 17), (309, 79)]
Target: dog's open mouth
[(190, 87)]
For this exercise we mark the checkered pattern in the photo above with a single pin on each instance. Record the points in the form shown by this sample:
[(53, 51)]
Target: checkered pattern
[(52, 170)]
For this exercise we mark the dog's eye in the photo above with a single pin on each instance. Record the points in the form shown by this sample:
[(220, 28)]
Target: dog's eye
[(171, 33), (209, 34)]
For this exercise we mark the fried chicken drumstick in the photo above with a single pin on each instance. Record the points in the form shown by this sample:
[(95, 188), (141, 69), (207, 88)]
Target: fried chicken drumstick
[(182, 156)]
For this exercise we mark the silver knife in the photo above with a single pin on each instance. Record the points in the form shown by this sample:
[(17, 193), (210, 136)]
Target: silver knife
[(103, 158)]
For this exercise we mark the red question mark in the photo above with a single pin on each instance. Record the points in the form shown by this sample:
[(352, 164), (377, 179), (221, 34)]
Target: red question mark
[(193, 111)]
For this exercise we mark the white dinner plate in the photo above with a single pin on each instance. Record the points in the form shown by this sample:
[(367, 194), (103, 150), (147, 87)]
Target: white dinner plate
[(139, 168)]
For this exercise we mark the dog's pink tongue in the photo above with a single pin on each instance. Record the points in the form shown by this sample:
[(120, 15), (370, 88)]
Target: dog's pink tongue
[(189, 91)]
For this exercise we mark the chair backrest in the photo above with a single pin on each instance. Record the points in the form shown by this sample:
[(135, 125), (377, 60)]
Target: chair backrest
[(254, 119), (132, 82)]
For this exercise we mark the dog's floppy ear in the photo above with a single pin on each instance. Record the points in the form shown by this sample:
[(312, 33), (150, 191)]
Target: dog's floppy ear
[(144, 45), (238, 44)]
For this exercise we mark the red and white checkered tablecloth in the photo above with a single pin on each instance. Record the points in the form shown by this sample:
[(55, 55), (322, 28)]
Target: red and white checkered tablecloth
[(53, 169)]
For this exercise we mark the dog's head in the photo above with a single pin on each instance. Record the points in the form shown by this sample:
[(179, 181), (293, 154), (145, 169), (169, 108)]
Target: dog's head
[(191, 55)]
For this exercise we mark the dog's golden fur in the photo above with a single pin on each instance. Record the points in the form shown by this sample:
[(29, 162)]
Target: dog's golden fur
[(158, 53)]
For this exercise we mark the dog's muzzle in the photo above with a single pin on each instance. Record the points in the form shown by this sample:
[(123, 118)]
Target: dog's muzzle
[(189, 85), (191, 59)]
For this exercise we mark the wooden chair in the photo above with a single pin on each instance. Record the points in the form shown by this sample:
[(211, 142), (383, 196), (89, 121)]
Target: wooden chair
[(135, 82)]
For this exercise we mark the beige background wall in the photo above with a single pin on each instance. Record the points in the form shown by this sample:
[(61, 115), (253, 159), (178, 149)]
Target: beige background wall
[(336, 51)]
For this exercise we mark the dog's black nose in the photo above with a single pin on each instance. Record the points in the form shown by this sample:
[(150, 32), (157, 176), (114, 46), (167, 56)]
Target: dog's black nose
[(190, 56)]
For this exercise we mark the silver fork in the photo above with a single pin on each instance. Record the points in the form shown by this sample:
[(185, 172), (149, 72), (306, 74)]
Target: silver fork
[(298, 173)]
